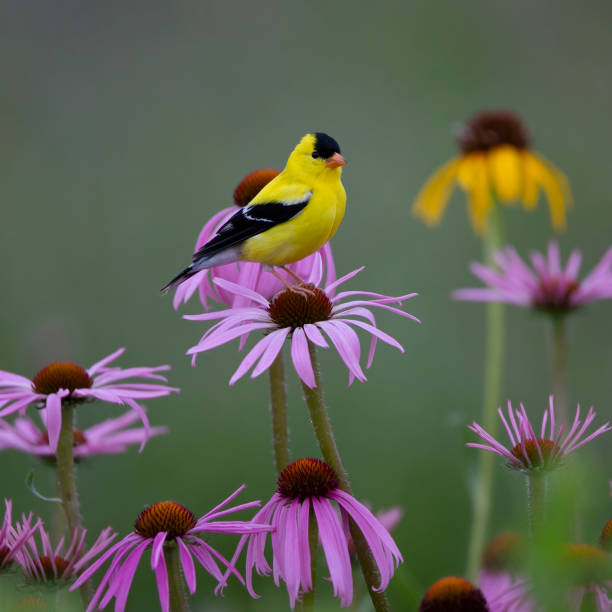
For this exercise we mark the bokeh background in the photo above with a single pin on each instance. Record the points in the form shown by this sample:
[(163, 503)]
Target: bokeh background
[(125, 126)]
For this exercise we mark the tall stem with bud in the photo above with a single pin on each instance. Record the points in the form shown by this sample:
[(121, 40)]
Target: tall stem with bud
[(327, 443), (483, 486), (66, 477)]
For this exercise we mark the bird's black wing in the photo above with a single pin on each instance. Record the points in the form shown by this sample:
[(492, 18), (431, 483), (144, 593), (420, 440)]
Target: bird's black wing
[(250, 221)]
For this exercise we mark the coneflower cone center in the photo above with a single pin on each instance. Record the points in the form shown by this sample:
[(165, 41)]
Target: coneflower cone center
[(307, 478), (587, 564), (555, 294), (530, 448), (252, 184), (502, 552), (4, 551), (47, 566), (78, 437), (454, 594), (296, 307), (488, 130), (168, 516), (61, 375), (605, 539)]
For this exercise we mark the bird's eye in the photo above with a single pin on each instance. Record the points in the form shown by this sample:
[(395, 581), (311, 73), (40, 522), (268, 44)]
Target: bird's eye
[(315, 155)]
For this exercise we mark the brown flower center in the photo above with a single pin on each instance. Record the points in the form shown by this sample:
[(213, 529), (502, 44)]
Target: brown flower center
[(492, 129), (47, 567), (307, 478), (168, 516), (550, 297), (530, 449), (453, 594), (605, 539), (252, 184), (586, 564), (61, 375), (502, 551), (4, 551), (78, 437), (297, 307)]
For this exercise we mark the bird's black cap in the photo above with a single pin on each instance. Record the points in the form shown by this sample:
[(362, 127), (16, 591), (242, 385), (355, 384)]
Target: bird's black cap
[(325, 145)]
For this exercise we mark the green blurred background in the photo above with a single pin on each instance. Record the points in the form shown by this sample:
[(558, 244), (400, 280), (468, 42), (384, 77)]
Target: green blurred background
[(125, 126)]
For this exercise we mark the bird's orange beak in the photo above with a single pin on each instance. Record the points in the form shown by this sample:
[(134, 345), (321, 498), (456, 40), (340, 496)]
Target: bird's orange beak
[(335, 161)]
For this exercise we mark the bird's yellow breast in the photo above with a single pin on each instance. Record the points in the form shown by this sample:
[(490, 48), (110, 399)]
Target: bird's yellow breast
[(307, 232)]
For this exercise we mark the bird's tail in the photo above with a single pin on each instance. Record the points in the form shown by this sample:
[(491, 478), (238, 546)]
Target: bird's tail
[(181, 277)]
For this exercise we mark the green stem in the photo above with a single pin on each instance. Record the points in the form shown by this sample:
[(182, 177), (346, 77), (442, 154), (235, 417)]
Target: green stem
[(492, 398), (327, 444), (66, 477), (536, 502), (559, 369), (278, 407), (178, 598)]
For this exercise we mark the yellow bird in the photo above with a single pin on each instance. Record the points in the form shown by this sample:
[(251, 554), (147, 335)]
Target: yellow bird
[(291, 217)]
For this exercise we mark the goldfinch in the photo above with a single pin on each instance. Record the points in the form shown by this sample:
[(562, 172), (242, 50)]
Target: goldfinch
[(291, 217)]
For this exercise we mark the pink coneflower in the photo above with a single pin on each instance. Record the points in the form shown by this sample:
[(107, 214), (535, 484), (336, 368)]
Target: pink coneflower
[(530, 453), (588, 573), (64, 381), (306, 313), (454, 594), (547, 286), (499, 579), (12, 539), (159, 526), (51, 563), (305, 485), (109, 437), (251, 275)]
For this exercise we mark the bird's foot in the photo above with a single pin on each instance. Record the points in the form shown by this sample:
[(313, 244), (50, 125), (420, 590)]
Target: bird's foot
[(300, 287)]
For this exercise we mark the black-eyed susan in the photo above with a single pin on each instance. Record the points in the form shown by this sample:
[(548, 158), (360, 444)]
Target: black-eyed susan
[(496, 162)]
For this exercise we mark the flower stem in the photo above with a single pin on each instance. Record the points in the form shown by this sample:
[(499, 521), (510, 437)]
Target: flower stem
[(559, 368), (278, 407), (483, 486), (178, 598), (66, 477), (536, 501), (327, 444)]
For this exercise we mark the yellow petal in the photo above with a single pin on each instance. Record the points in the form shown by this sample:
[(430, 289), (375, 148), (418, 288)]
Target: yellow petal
[(530, 181), (473, 177), (505, 169), (556, 187), (433, 197)]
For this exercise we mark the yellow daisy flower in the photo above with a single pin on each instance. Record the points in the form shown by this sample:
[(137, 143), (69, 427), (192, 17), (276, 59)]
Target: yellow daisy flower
[(495, 162)]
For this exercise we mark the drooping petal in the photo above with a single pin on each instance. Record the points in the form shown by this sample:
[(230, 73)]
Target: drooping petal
[(431, 201), (300, 356)]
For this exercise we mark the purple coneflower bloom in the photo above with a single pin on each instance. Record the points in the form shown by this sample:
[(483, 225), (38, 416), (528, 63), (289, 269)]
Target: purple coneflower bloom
[(588, 570), (161, 525), (251, 275), (309, 484), (65, 381), (547, 286), (530, 453), (498, 579), (108, 437), (51, 563), (456, 594), (306, 313), (12, 538)]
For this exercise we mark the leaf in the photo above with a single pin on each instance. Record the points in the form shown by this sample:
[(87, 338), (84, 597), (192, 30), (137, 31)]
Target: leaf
[(29, 481)]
